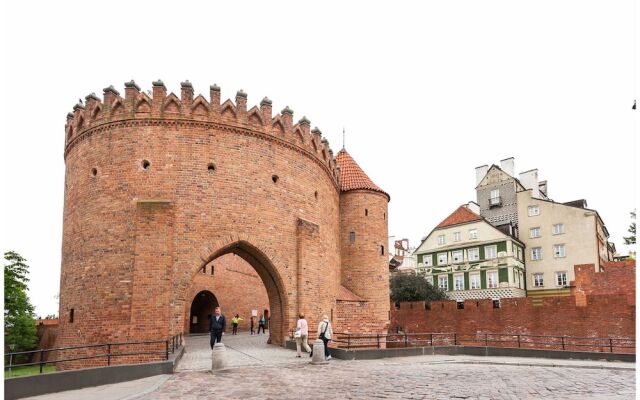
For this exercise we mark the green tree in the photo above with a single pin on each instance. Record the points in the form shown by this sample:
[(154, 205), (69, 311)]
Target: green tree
[(410, 287), (19, 323), (632, 230)]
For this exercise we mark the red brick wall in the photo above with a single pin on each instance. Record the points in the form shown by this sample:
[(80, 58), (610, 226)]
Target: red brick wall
[(236, 286), (596, 311), (616, 278)]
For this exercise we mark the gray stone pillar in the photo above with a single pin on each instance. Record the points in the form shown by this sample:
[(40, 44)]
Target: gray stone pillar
[(218, 357), (318, 353)]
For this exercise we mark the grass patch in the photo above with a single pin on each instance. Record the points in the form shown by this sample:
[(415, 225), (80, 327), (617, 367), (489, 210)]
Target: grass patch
[(28, 370)]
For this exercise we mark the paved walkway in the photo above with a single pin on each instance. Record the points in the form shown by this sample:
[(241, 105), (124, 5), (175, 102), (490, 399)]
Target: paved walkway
[(261, 371), (243, 350)]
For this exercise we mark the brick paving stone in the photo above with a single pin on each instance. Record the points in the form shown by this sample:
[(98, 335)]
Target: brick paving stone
[(402, 378)]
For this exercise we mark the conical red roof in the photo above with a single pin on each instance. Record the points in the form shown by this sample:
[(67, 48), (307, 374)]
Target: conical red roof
[(352, 177), (460, 216)]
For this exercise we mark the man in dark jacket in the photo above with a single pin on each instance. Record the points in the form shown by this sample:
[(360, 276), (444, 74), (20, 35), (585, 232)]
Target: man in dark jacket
[(217, 326)]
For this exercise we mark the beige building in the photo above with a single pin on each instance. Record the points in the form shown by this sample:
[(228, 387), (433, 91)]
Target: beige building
[(469, 258), (557, 237)]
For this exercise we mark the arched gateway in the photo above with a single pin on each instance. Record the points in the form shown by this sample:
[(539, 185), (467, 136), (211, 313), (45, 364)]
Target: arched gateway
[(158, 186)]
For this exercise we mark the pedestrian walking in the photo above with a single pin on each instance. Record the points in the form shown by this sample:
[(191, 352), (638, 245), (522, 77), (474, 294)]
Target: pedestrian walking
[(325, 333), (234, 324), (217, 327), (261, 323), (302, 334)]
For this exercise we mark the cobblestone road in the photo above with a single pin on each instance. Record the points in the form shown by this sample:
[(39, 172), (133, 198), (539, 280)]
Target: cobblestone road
[(432, 377), (242, 350)]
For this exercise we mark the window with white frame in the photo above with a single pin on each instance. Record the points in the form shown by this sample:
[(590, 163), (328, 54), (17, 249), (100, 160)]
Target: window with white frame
[(495, 197), (492, 279), (457, 256), (538, 280), (475, 281), (473, 254), (442, 258), (473, 233), (561, 278), (521, 274), (533, 211), (536, 253), (558, 229), (443, 282), (458, 282), (490, 252), (534, 232), (558, 250), (519, 254), (427, 260), (441, 240), (456, 236)]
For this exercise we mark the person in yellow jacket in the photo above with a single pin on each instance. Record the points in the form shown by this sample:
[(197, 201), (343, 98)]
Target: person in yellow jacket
[(234, 323)]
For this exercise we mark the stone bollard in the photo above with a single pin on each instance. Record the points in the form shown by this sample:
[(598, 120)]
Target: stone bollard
[(218, 357), (318, 353)]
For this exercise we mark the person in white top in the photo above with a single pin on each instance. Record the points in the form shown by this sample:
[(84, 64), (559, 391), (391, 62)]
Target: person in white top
[(302, 334), (325, 333)]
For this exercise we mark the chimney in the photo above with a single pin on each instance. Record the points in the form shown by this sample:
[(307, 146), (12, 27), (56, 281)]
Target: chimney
[(529, 180), (508, 166), (473, 207), (544, 188), (480, 173)]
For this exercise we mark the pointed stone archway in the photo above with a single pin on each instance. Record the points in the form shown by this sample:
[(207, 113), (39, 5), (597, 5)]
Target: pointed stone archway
[(201, 310)]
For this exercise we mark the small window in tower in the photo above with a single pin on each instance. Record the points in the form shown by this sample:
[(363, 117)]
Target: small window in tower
[(384, 216), (204, 269), (212, 270), (381, 249), (211, 167), (352, 237), (146, 164), (315, 194), (275, 178), (71, 312), (366, 212), (94, 171)]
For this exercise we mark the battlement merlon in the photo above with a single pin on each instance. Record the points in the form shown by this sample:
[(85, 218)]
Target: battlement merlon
[(158, 104)]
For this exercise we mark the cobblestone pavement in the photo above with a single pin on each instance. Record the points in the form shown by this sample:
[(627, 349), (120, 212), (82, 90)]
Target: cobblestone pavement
[(432, 377), (242, 350)]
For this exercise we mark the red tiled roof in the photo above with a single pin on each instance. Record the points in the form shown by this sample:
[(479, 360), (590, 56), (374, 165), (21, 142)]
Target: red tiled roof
[(460, 216), (352, 177), (345, 294)]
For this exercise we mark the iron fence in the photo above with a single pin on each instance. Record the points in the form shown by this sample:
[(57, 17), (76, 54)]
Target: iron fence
[(106, 351)]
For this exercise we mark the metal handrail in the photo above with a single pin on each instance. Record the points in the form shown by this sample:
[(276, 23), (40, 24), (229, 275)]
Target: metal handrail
[(171, 345), (565, 343)]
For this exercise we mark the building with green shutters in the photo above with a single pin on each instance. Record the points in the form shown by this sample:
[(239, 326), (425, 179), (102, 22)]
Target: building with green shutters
[(469, 258)]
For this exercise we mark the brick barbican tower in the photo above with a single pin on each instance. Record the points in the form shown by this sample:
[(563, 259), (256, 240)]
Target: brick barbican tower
[(159, 186)]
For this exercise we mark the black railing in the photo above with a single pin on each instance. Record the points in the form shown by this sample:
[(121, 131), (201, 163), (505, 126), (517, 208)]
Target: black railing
[(108, 353), (352, 341)]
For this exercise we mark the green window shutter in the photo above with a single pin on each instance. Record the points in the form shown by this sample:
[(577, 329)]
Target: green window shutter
[(483, 279), (467, 284), (450, 282), (434, 259), (481, 253), (503, 275), (502, 246)]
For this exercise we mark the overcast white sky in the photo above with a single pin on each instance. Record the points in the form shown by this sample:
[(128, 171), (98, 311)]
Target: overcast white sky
[(426, 93)]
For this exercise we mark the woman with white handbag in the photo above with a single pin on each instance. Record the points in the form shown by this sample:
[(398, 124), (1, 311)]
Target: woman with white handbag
[(302, 334)]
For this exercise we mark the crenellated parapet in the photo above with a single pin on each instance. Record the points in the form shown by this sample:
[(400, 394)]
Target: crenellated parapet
[(157, 106)]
